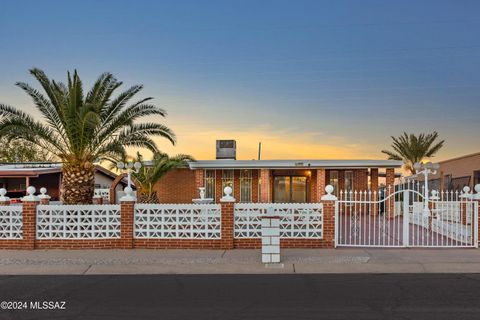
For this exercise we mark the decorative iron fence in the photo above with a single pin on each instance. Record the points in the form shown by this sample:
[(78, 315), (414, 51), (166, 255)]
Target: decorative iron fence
[(297, 220), (11, 222), (78, 221), (177, 221), (405, 217)]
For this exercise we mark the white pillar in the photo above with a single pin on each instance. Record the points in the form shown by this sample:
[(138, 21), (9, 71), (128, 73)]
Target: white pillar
[(270, 238)]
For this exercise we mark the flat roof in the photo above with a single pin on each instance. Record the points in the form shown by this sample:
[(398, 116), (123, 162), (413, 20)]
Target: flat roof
[(289, 164), (460, 157)]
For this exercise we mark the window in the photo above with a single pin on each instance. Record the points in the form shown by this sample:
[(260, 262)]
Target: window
[(476, 177), (227, 179), (447, 182), (348, 181), (348, 184), (210, 184), (334, 181), (289, 189), (245, 186)]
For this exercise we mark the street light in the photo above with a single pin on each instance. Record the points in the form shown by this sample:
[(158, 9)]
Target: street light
[(129, 167), (426, 169)]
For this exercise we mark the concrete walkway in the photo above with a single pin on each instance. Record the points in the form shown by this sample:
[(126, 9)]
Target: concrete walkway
[(239, 261)]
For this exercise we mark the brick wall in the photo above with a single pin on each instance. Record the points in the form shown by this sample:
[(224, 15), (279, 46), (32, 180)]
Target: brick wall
[(177, 186), (360, 179), (265, 193), (199, 178)]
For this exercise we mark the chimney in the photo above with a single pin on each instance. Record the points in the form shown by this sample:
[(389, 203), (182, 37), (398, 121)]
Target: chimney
[(226, 149)]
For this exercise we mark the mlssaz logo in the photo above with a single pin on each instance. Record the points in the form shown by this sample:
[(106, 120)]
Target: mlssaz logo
[(47, 305)]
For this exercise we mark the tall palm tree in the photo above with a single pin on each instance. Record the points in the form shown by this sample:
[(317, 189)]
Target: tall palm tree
[(81, 129), (150, 173), (411, 148)]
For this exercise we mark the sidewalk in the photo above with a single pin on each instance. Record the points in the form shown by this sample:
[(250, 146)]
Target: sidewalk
[(239, 261)]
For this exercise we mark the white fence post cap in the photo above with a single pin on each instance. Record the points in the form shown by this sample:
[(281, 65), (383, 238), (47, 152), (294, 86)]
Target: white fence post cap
[(128, 195), (228, 195), (329, 196), (31, 195)]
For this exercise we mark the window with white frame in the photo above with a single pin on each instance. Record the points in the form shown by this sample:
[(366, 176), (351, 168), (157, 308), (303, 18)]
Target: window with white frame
[(210, 184), (245, 185), (227, 180)]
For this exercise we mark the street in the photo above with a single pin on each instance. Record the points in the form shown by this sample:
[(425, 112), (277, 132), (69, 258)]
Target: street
[(292, 296)]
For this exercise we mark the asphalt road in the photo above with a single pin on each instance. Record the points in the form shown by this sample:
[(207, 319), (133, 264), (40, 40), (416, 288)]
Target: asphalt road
[(357, 296)]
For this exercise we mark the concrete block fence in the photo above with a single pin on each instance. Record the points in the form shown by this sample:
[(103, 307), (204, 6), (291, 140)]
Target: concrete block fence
[(36, 224)]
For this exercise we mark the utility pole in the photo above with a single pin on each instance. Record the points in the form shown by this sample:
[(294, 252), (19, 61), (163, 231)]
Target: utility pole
[(259, 150)]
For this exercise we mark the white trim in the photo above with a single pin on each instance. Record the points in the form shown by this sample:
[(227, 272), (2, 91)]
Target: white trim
[(289, 164)]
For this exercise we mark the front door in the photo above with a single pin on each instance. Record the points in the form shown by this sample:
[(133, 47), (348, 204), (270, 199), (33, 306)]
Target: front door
[(288, 189)]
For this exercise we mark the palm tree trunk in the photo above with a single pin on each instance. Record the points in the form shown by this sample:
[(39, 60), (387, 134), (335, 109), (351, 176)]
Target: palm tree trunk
[(78, 184)]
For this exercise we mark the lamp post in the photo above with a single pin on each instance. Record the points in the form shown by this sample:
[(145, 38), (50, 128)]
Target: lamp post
[(129, 167), (426, 169)]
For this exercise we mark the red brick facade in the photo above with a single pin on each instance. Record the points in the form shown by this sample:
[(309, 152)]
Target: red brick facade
[(177, 186), (264, 185)]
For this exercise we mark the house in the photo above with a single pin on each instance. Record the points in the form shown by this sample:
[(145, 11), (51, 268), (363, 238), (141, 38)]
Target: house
[(456, 173), (271, 180), (16, 177)]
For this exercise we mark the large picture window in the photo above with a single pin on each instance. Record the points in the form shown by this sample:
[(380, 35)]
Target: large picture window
[(227, 180), (210, 184), (245, 186)]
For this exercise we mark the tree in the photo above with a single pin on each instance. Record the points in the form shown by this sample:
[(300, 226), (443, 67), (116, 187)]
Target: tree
[(411, 148), (81, 129), (151, 172), (22, 151)]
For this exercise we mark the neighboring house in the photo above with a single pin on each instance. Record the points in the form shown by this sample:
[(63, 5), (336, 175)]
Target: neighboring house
[(270, 180), (456, 173), (16, 177)]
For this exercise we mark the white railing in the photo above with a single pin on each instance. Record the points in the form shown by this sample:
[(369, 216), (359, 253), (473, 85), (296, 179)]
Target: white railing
[(11, 222), (177, 221), (104, 193), (78, 221), (297, 220)]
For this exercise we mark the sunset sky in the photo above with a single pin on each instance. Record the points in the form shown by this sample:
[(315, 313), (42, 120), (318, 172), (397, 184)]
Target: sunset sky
[(309, 79)]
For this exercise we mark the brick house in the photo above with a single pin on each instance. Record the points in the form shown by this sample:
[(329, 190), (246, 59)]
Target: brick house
[(271, 180), (456, 173)]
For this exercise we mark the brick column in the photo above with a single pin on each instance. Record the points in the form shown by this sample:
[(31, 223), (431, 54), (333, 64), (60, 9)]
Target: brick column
[(265, 185), (127, 212), (328, 200), (320, 184), (360, 179), (29, 218), (389, 189), (374, 179), (227, 204), (199, 178)]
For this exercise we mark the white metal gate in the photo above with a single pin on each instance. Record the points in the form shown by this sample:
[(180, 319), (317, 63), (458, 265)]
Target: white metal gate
[(403, 217)]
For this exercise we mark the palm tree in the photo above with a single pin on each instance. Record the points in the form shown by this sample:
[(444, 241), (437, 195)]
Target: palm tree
[(411, 148), (81, 129), (150, 173)]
